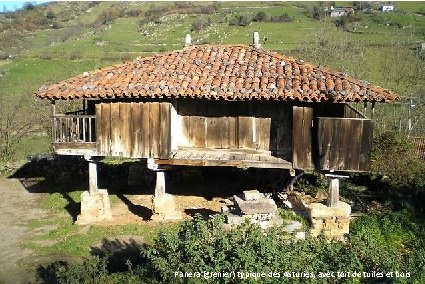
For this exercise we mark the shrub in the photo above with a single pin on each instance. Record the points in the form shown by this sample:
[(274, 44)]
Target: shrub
[(50, 15), (260, 17), (200, 24), (393, 154), (241, 20), (391, 242)]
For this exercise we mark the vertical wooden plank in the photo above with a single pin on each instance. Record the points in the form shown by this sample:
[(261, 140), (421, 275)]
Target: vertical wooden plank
[(344, 145), (186, 131), (232, 135), (245, 132), (137, 130), (124, 118), (307, 138), (154, 129), (165, 130), (366, 145), (297, 138), (116, 149), (197, 124), (213, 133), (197, 131), (334, 151), (105, 129), (325, 133), (356, 133), (145, 138), (84, 129)]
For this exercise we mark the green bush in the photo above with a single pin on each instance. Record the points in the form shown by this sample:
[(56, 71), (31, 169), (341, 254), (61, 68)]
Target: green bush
[(381, 243), (241, 20), (393, 154)]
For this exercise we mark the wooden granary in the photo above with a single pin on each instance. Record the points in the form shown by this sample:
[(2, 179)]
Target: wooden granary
[(217, 105)]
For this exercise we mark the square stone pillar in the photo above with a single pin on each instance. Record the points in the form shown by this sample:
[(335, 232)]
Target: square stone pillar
[(333, 198), (95, 204), (163, 204)]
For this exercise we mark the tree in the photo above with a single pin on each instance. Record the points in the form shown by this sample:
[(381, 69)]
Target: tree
[(19, 118), (28, 6)]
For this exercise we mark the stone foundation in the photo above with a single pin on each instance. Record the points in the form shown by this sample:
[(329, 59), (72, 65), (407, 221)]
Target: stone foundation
[(164, 208), (95, 207), (253, 206), (333, 222)]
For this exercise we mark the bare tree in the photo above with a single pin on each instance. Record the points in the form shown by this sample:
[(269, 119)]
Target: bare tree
[(19, 118)]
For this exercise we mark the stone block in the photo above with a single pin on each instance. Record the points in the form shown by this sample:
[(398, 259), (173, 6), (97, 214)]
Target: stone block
[(251, 195), (95, 207), (319, 210), (164, 208), (251, 207), (334, 223), (292, 227)]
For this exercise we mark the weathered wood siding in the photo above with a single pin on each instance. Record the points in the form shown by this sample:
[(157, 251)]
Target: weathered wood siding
[(350, 112), (261, 126), (133, 130), (344, 143), (302, 137)]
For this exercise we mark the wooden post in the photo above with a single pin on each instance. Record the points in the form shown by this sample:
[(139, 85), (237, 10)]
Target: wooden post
[(333, 198), (93, 177), (160, 184), (53, 105)]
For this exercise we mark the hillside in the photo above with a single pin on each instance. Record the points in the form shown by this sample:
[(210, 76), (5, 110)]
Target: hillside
[(45, 44)]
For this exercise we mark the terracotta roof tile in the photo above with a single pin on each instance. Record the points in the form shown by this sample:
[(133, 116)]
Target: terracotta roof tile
[(225, 72)]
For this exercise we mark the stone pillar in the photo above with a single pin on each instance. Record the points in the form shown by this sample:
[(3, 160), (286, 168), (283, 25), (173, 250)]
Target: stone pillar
[(163, 204), (333, 198), (93, 189), (160, 184), (95, 204)]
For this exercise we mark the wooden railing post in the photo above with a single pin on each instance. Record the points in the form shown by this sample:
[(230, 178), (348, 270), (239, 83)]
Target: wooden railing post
[(73, 128)]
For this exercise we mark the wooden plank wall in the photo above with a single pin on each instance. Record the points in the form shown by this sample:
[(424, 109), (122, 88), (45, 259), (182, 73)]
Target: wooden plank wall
[(350, 112), (237, 125), (133, 130), (302, 137), (344, 144)]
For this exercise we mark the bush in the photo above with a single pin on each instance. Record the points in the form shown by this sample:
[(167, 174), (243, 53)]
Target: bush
[(241, 20), (260, 17), (393, 154), (381, 243), (200, 24)]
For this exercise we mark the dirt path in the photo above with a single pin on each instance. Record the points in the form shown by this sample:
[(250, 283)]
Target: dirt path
[(17, 206)]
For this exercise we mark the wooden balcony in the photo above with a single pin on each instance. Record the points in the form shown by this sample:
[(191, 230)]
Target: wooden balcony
[(74, 134)]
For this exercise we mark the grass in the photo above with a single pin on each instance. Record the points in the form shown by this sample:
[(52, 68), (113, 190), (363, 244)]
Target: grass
[(57, 235)]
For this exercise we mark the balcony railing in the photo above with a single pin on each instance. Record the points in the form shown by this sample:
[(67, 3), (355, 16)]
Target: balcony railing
[(74, 128)]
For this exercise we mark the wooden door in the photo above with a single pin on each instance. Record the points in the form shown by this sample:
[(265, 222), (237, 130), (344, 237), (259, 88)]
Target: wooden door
[(344, 144), (302, 124)]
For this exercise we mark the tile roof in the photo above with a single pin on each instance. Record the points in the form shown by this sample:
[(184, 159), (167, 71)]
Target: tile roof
[(217, 72)]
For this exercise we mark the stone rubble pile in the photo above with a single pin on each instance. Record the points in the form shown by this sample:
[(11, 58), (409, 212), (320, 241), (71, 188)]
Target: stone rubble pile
[(255, 207)]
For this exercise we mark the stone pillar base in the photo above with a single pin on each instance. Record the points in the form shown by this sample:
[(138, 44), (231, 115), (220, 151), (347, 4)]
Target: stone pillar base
[(94, 207), (164, 208), (333, 222)]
